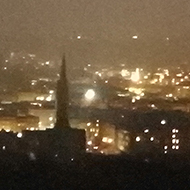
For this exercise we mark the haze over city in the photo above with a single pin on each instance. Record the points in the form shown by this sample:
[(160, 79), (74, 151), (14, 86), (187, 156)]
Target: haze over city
[(100, 32)]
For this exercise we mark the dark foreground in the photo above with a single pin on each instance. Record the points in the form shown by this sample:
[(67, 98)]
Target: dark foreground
[(92, 173)]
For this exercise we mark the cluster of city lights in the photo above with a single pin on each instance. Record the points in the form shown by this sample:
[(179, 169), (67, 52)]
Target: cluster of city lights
[(42, 98), (175, 141), (94, 132), (107, 140)]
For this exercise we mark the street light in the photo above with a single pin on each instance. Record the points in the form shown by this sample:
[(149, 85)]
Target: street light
[(90, 94)]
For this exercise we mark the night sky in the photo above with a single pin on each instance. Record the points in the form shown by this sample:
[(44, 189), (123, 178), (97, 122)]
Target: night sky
[(106, 27)]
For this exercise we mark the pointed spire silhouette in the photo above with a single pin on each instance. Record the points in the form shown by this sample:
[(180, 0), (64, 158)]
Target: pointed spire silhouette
[(62, 120)]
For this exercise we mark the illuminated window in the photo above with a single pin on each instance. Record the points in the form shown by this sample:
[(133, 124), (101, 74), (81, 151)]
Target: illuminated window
[(173, 141), (163, 122), (146, 130), (133, 100), (177, 141), (165, 147), (173, 130), (173, 136), (105, 139), (51, 118), (49, 98), (138, 139), (88, 124), (110, 140)]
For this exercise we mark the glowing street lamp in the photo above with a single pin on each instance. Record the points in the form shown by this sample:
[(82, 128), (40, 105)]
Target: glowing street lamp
[(90, 94)]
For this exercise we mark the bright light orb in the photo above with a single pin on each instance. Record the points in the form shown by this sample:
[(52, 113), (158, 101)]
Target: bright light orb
[(90, 94), (138, 139)]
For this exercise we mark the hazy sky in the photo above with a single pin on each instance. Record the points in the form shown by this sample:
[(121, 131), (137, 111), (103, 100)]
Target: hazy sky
[(49, 27)]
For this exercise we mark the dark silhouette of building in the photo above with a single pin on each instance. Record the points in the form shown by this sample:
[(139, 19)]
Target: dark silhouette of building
[(62, 99), (61, 142)]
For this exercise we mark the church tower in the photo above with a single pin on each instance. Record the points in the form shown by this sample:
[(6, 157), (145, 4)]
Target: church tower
[(69, 141), (63, 141), (62, 99)]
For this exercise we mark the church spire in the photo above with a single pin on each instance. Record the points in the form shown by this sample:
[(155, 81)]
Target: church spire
[(62, 99)]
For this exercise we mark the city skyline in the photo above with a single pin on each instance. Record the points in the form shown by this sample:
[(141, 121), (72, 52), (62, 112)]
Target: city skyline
[(94, 94)]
